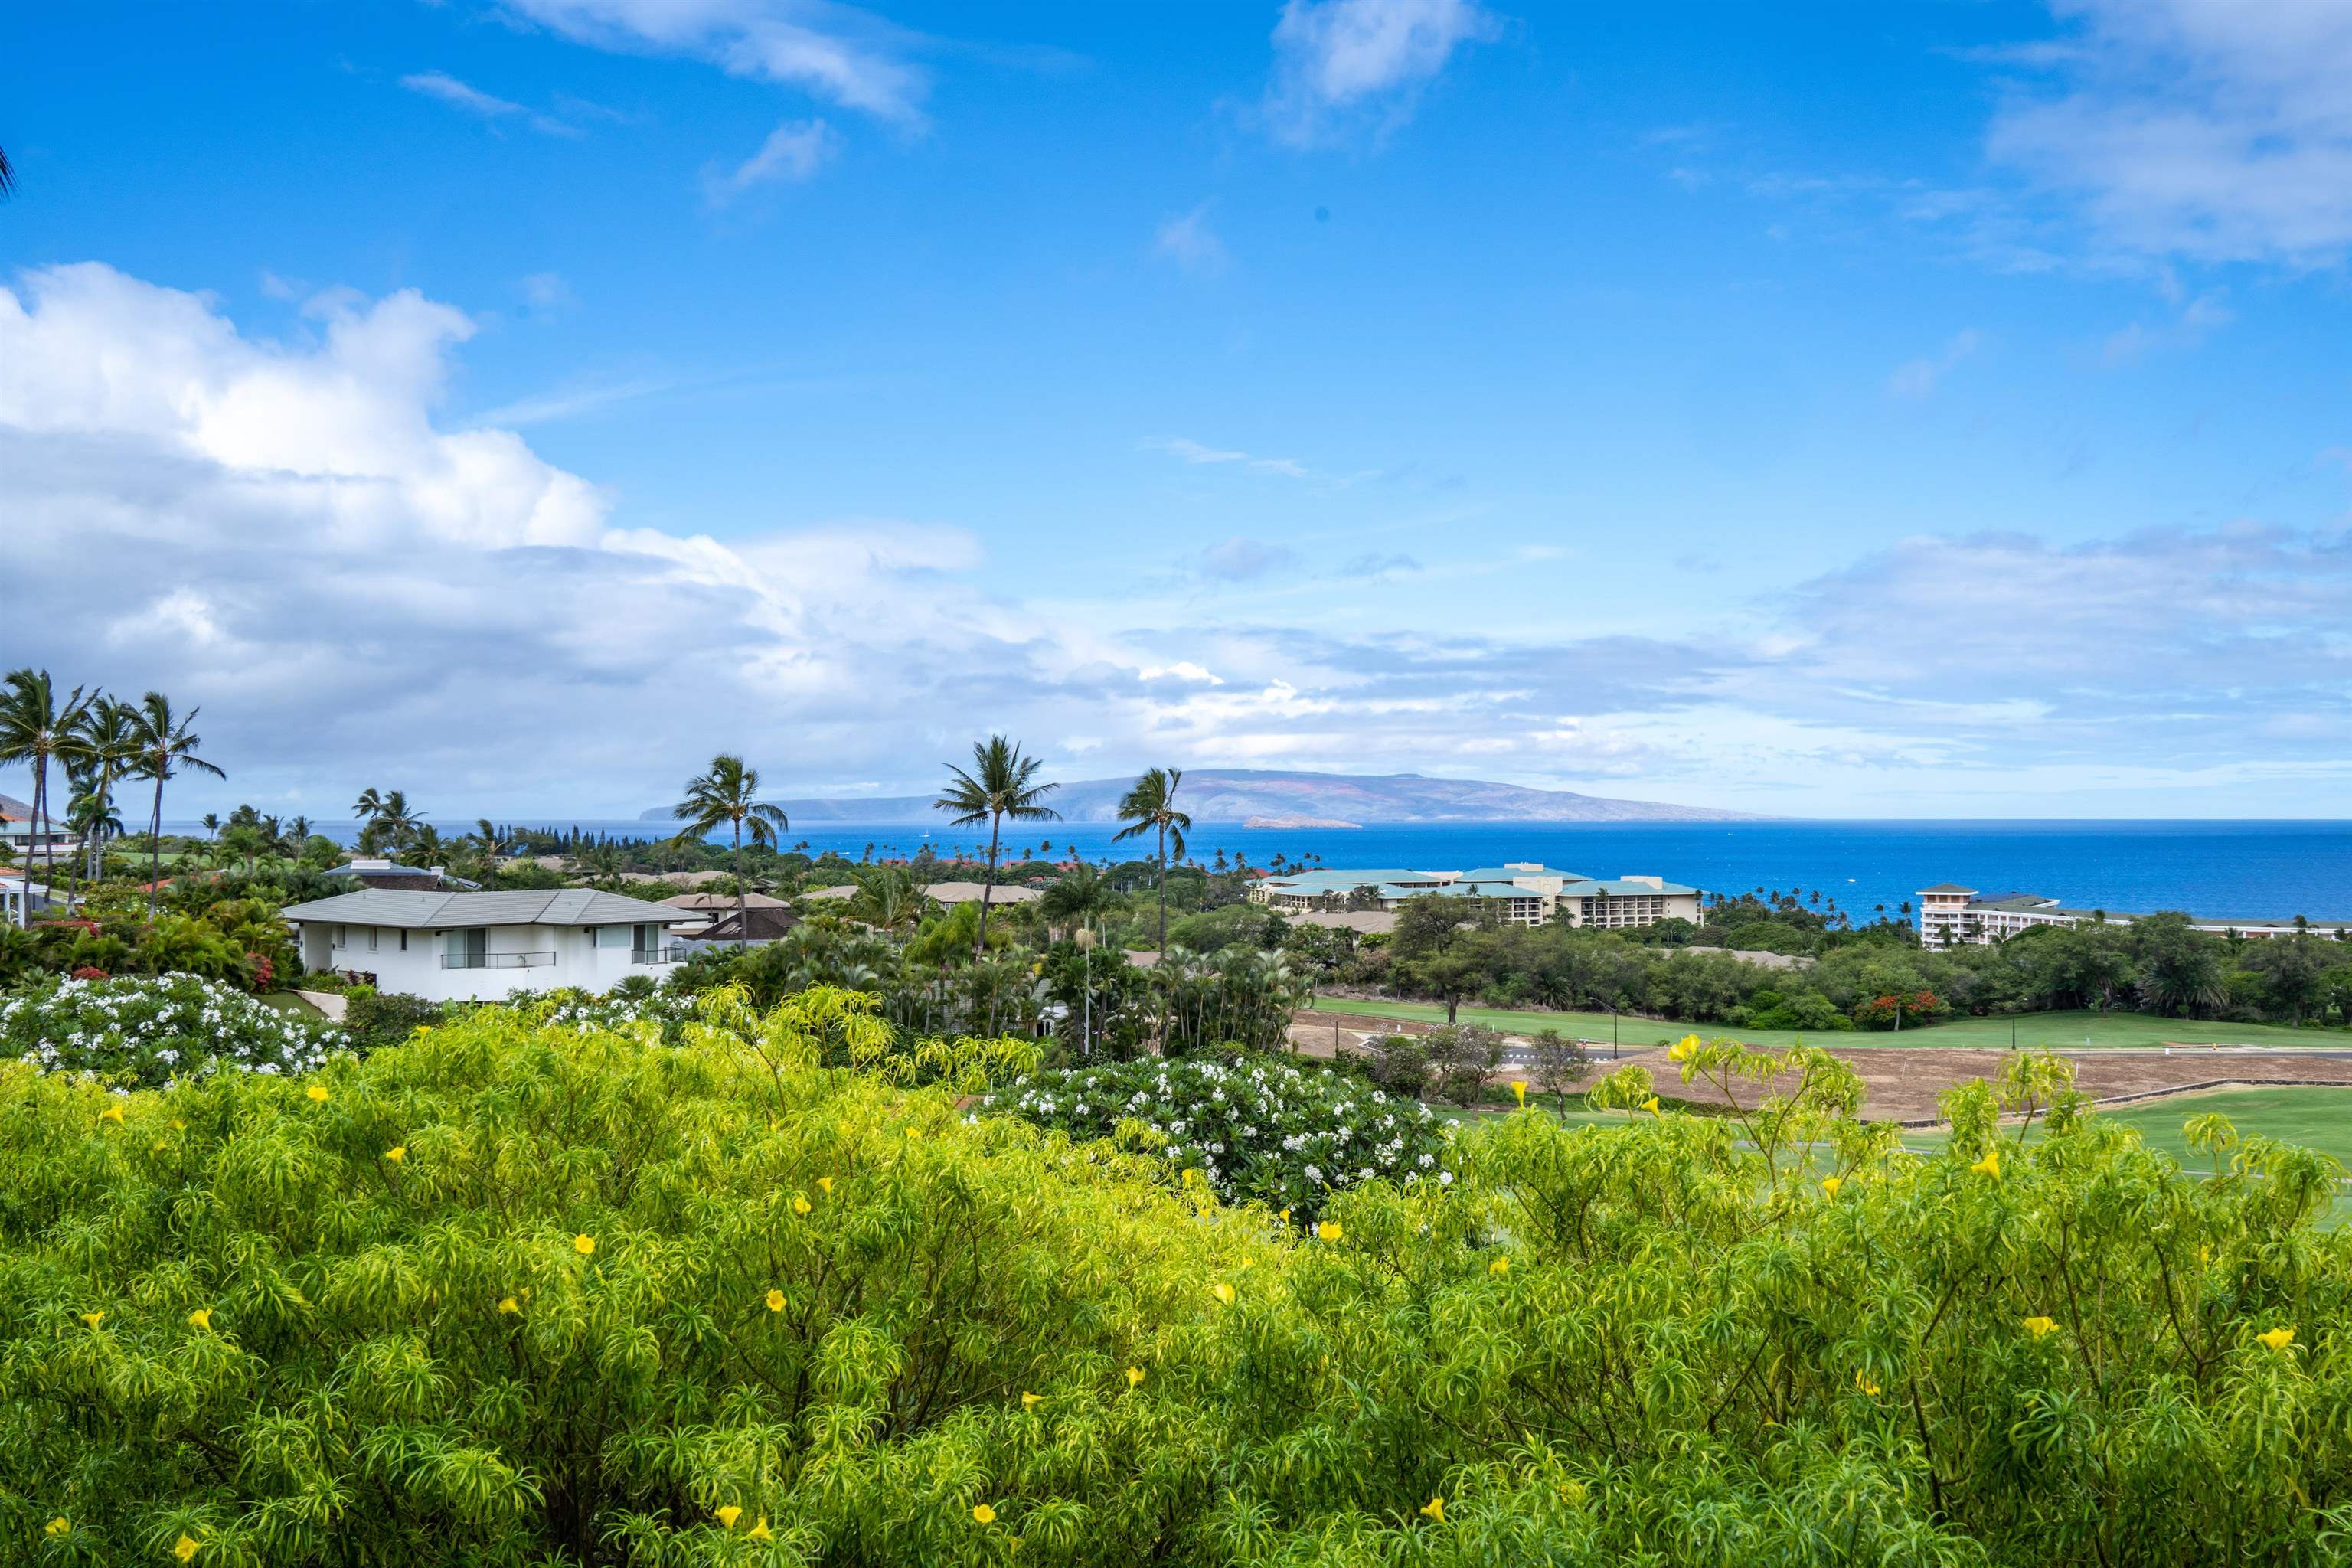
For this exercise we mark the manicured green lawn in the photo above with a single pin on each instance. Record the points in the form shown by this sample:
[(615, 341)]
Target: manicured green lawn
[(2059, 1029)]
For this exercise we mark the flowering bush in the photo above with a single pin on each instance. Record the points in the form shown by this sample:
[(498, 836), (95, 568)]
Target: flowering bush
[(1261, 1128), (142, 1030)]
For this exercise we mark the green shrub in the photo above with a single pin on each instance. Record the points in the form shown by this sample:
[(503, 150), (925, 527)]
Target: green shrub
[(1260, 1128), (142, 1031), (278, 1326), (379, 1018)]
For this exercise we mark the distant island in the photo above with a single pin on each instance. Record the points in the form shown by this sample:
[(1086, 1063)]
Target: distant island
[(1292, 800)]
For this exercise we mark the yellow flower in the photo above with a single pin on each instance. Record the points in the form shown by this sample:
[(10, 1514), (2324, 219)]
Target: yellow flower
[(728, 1514), (2277, 1339), (2039, 1326), (1520, 1089), (824, 1185), (316, 1094), (800, 1204), (983, 1514), (1500, 1267), (914, 1132), (1830, 1184), (1990, 1165), (111, 1113), (583, 1245), (397, 1153), (61, 1525), (1684, 1050), (1286, 1216), (1134, 1376), (1651, 1105), (1862, 1381), (507, 1305), (1436, 1508), (93, 1319), (776, 1300), (2205, 1255), (1223, 1292), (1029, 1401), (1329, 1230), (178, 1125), (202, 1318), (184, 1549), (760, 1531)]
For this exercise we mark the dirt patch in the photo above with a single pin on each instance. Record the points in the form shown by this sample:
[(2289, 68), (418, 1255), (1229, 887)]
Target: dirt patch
[(1903, 1084)]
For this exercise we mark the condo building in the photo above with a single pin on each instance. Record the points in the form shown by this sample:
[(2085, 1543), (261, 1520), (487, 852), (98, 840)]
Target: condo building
[(1954, 916), (1520, 892)]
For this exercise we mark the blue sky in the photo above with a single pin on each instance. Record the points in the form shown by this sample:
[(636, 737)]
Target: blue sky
[(1921, 410)]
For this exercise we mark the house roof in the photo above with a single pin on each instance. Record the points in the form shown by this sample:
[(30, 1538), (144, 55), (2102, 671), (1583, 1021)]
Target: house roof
[(761, 925), (724, 902), (418, 910), (1369, 922), (1948, 888), (969, 893)]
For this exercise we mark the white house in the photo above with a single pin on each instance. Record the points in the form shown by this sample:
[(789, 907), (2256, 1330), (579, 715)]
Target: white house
[(480, 947)]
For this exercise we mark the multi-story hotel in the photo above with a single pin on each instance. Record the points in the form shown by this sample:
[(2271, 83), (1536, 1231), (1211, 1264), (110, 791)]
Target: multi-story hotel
[(1951, 916), (1522, 892)]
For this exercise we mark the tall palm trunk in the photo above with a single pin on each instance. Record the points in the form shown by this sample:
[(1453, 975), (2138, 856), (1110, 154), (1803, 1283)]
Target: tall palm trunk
[(155, 848), (987, 888), (742, 904), (48, 839), (1163, 888)]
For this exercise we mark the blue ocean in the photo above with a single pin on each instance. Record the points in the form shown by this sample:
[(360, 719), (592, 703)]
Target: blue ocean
[(2247, 871)]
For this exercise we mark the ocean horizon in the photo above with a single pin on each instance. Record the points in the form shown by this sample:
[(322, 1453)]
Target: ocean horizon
[(2223, 871)]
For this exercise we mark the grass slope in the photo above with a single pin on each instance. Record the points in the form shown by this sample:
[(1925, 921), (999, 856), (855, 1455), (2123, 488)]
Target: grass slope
[(2071, 1030)]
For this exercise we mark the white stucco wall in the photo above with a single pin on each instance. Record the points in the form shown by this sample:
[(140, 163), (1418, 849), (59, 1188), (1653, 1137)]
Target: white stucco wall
[(575, 961)]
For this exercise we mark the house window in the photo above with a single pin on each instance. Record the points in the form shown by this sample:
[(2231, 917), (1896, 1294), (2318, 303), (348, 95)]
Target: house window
[(611, 936), (372, 936), (342, 936), (403, 941)]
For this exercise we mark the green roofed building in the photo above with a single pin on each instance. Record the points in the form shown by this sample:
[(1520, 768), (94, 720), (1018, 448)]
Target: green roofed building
[(1520, 892)]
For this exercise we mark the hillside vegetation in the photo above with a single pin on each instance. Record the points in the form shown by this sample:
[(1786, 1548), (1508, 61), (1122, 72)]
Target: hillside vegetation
[(518, 1293)]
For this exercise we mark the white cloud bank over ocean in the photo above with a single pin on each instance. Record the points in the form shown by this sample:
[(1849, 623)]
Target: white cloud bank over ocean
[(359, 592)]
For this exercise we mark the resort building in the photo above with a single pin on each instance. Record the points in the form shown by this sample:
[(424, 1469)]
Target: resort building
[(1954, 916), (1520, 892), (482, 947)]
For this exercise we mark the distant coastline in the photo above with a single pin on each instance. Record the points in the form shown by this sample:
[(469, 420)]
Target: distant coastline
[(1253, 798)]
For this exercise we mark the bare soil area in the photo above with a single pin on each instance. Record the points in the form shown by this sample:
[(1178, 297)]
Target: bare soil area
[(1903, 1083)]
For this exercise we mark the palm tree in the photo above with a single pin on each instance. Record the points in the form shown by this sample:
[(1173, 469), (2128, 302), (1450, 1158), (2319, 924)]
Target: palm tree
[(166, 748), (887, 898), (488, 842), (211, 823), (34, 731), (397, 823), (1150, 807), (109, 744), (730, 794), (94, 820), (1000, 785), (1077, 898)]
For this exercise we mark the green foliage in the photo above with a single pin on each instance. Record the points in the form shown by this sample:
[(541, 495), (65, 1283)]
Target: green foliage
[(135, 1031), (359, 1328), (378, 1018)]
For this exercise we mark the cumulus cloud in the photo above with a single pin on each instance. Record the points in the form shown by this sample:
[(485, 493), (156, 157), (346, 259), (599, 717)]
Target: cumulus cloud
[(832, 52), (1341, 65), (2217, 130), (357, 591), (793, 152)]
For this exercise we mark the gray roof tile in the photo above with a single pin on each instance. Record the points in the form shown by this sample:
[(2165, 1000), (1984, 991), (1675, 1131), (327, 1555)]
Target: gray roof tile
[(410, 909)]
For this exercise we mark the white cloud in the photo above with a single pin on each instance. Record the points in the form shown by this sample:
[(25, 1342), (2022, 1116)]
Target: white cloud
[(793, 152), (1200, 455), (473, 100), (1189, 241), (547, 292), (2217, 130), (1341, 64), (832, 52), (1919, 377), (290, 534)]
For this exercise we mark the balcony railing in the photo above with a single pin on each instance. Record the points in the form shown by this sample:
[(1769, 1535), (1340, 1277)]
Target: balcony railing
[(497, 960), (674, 953)]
